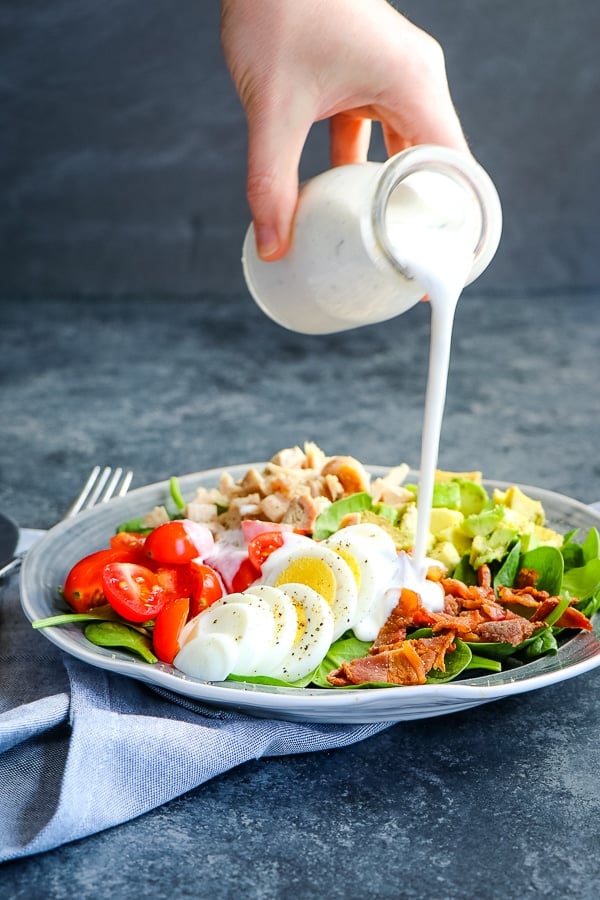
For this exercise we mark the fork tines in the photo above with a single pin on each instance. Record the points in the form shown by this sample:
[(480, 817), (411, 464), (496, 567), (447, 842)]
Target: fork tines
[(101, 485)]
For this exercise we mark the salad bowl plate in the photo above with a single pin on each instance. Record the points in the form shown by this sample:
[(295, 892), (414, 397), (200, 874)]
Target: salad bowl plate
[(49, 560)]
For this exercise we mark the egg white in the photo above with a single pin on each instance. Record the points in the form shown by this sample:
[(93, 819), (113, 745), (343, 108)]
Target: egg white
[(345, 592)]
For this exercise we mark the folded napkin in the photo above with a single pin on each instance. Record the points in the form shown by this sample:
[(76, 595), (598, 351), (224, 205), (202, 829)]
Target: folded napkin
[(82, 749)]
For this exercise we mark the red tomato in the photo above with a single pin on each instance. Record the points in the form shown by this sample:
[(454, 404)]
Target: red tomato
[(206, 587), (252, 527), (170, 619), (128, 540), (245, 575), (133, 591), (83, 587), (178, 542), (176, 581), (262, 545)]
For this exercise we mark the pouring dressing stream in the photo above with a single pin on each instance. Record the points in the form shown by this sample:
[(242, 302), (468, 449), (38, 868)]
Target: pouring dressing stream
[(370, 241)]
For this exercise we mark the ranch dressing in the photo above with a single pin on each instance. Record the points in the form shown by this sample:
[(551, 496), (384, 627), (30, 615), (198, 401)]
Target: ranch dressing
[(369, 242)]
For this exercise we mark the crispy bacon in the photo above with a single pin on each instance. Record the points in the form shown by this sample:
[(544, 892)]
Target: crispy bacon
[(401, 617), (510, 631), (570, 618), (471, 612), (407, 663)]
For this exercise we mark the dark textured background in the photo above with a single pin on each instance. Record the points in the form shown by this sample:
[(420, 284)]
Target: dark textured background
[(122, 142)]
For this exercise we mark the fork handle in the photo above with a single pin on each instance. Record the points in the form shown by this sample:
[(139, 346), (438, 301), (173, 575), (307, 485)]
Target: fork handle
[(11, 565)]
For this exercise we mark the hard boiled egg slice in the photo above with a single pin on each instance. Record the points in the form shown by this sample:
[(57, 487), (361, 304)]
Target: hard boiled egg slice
[(208, 657), (319, 568), (286, 625), (250, 626), (371, 554), (314, 633)]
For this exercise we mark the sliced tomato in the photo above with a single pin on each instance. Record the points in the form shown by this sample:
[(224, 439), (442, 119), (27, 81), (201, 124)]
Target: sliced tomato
[(128, 540), (176, 581), (252, 527), (262, 545), (207, 587), (179, 541), (133, 591), (245, 575), (170, 620), (83, 589)]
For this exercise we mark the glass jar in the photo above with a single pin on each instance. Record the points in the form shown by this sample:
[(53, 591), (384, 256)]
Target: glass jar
[(347, 265)]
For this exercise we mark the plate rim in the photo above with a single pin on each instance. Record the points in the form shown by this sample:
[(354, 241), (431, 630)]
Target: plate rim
[(307, 704)]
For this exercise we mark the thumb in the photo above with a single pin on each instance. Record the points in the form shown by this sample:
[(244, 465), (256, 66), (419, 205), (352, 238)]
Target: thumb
[(275, 146)]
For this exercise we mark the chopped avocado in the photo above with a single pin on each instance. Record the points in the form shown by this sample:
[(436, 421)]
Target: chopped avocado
[(456, 536), (547, 536), (484, 522), (441, 475), (530, 509), (443, 518), (491, 547), (446, 494), (529, 542), (391, 513), (446, 553), (384, 523), (473, 497), (406, 529)]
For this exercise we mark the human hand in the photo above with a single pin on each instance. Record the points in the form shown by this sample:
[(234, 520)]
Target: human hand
[(350, 61)]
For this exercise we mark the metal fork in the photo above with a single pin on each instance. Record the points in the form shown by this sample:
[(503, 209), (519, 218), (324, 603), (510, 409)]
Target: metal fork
[(102, 484)]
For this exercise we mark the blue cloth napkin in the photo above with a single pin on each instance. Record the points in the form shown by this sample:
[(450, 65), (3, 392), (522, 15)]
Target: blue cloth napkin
[(82, 749)]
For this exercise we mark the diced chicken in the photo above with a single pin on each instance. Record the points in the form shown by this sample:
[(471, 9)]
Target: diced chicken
[(274, 507), (205, 513), (350, 472), (301, 513), (290, 458), (315, 458), (154, 518), (253, 482)]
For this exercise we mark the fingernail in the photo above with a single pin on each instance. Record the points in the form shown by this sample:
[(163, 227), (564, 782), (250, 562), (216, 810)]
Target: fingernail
[(267, 241)]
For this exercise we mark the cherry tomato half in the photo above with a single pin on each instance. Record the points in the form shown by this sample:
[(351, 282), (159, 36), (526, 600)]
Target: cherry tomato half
[(170, 619), (207, 587), (245, 575), (133, 591), (179, 541), (262, 545), (83, 589), (128, 540)]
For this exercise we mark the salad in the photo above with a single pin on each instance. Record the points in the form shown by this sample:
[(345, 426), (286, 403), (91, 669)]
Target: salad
[(301, 573)]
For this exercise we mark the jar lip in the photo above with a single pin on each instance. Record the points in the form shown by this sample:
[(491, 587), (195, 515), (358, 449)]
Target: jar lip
[(462, 169)]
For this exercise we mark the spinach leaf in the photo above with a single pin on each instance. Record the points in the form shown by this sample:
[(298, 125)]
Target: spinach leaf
[(465, 572), (506, 574), (329, 520), (456, 662), (584, 581), (115, 634), (591, 545), (549, 564), (542, 643), (483, 662)]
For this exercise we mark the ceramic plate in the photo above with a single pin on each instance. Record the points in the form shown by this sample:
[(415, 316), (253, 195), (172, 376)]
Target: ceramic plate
[(48, 562)]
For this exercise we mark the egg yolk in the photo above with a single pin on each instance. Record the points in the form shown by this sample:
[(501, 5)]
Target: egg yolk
[(312, 572), (301, 614), (350, 560)]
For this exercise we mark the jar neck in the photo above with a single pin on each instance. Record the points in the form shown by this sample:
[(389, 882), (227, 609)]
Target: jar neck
[(463, 172)]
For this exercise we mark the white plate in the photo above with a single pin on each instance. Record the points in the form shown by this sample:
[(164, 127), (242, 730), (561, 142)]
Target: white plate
[(48, 562)]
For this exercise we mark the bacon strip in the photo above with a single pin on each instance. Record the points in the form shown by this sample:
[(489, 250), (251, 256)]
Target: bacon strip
[(471, 612)]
